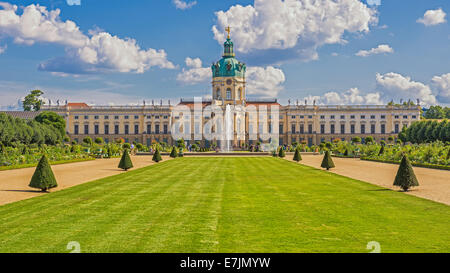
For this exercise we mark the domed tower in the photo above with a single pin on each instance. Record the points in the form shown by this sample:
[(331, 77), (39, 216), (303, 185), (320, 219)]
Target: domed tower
[(228, 77)]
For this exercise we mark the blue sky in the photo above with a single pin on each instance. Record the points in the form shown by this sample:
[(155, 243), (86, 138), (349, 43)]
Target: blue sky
[(336, 52)]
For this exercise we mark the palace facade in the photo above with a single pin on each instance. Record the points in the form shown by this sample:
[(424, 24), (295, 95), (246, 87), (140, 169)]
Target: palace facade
[(311, 124)]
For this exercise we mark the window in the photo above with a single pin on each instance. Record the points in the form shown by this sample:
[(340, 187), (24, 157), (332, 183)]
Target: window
[(136, 129), (106, 129), (228, 94), (363, 128), (414, 117), (332, 128), (149, 128), (310, 128), (106, 117), (86, 129), (157, 129), (332, 117), (149, 116), (322, 128), (166, 131), (76, 117), (405, 117), (96, 129), (116, 117), (302, 116), (352, 116), (383, 116), (397, 128), (96, 117), (127, 129), (372, 117), (372, 128), (166, 117), (126, 117), (322, 117), (156, 117), (383, 128), (116, 129), (342, 117), (352, 128), (293, 128), (75, 129), (342, 128), (136, 117), (309, 117), (86, 117), (281, 129), (396, 117), (363, 117), (293, 117), (302, 129)]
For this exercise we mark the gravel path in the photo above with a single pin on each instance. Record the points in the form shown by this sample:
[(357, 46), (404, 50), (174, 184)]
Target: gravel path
[(14, 183), (434, 184)]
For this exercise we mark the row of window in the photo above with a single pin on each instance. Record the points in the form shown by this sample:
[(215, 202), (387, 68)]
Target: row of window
[(353, 117), (116, 129), (117, 117), (342, 129)]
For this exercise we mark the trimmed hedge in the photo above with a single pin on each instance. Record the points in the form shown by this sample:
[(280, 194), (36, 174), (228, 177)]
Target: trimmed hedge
[(415, 164)]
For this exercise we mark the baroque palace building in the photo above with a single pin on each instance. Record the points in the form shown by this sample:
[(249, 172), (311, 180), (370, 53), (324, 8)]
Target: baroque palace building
[(310, 124)]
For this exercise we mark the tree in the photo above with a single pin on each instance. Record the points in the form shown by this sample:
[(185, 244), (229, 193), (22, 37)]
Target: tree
[(125, 162), (157, 156), (173, 153), (281, 152), (43, 177), (405, 177), (369, 139), (99, 140), (87, 140), (53, 119), (327, 161), (435, 112), (32, 102), (297, 155)]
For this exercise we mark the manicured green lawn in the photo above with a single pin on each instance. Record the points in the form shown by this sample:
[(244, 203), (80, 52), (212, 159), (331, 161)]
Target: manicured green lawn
[(225, 205)]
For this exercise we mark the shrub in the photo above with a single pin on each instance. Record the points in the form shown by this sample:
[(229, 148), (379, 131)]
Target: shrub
[(297, 155), (99, 140), (157, 156), (356, 140), (43, 177), (281, 152), (405, 177), (87, 140), (173, 153), (327, 162), (381, 151), (346, 152), (125, 162), (126, 146)]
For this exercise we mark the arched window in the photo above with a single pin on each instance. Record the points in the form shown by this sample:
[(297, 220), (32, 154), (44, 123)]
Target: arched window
[(228, 94)]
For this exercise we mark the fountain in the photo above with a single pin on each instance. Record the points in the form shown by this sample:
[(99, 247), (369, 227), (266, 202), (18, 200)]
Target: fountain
[(227, 133)]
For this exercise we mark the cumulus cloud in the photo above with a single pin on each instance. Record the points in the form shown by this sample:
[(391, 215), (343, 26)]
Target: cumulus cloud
[(377, 50), (74, 2), (179, 4), (442, 85), (194, 73), (396, 86), (433, 17), (348, 97), (3, 49), (98, 52), (263, 81), (293, 27)]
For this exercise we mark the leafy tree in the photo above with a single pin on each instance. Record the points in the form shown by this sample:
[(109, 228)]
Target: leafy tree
[(87, 140), (173, 153), (435, 112), (327, 162), (297, 155), (32, 102), (281, 152), (157, 156), (99, 140), (43, 177), (125, 162), (405, 177), (53, 119)]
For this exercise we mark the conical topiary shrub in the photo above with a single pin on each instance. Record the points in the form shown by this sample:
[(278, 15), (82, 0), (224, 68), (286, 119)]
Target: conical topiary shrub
[(405, 177), (281, 152), (381, 150), (125, 162), (173, 153), (43, 178), (327, 162), (297, 155), (157, 156)]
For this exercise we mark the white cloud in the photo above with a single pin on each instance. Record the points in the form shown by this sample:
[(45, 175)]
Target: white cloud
[(74, 2), (195, 73), (378, 50), (442, 85), (433, 17), (395, 86), (351, 96), (179, 4), (265, 82), (3, 49), (298, 25), (99, 52)]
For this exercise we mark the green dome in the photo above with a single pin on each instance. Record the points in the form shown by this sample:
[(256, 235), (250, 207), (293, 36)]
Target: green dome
[(228, 66)]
